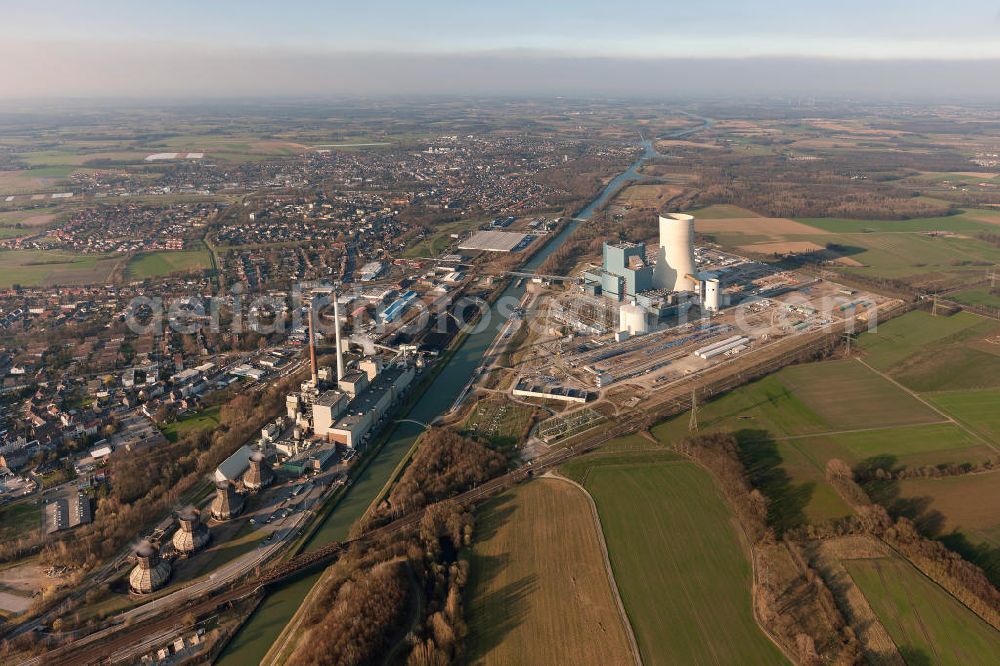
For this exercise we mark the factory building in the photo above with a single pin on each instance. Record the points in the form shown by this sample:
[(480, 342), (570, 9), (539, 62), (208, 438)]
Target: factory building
[(233, 467), (150, 572), (347, 412), (192, 534), (227, 503), (368, 407)]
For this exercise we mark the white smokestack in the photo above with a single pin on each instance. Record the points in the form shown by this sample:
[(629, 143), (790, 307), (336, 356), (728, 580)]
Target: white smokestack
[(675, 260), (340, 349)]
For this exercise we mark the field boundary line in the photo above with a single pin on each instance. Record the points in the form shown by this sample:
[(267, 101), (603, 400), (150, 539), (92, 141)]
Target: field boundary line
[(633, 644), (916, 395)]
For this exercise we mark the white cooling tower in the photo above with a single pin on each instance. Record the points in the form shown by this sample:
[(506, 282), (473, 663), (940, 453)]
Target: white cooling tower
[(675, 260), (713, 295), (632, 319)]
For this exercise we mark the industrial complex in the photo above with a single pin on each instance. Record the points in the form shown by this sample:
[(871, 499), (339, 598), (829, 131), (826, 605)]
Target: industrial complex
[(651, 316)]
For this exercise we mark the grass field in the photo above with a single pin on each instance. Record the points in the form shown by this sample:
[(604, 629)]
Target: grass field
[(901, 337), (981, 296), (792, 423), (539, 590), (50, 268), (158, 264), (679, 562), (979, 410), (832, 396), (927, 624), (721, 211), (927, 353), (19, 518), (206, 419), (440, 238), (968, 504)]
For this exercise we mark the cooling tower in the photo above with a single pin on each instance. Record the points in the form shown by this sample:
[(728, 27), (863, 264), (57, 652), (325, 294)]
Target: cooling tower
[(150, 572), (227, 504), (258, 474), (192, 535), (675, 260)]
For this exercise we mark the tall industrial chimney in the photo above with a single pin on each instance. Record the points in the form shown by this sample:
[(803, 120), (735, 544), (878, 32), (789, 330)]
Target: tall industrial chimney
[(312, 345), (340, 349)]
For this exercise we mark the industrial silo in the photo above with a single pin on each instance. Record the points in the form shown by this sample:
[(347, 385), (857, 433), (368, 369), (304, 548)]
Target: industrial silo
[(259, 474), (675, 260), (713, 294), (227, 503), (192, 535), (632, 319), (150, 572)]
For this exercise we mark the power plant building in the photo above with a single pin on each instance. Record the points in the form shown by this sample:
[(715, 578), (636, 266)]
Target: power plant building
[(624, 272), (628, 274)]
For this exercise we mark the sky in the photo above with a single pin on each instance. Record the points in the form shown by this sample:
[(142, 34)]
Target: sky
[(68, 48)]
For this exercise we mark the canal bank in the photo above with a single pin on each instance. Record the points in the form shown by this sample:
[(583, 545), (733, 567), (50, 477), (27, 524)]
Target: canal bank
[(256, 636)]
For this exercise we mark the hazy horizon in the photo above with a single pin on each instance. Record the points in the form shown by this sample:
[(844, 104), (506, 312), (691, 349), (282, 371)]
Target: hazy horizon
[(112, 48)]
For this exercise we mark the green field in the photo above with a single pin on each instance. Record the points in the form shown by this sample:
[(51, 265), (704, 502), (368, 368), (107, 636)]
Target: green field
[(927, 624), (981, 296), (19, 518), (721, 212), (954, 223), (967, 504), (927, 353), (159, 264), (50, 268), (679, 561), (206, 419), (901, 337), (979, 410), (539, 589), (791, 423), (440, 238)]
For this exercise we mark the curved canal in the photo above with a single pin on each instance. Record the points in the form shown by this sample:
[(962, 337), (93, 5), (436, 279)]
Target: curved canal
[(256, 636)]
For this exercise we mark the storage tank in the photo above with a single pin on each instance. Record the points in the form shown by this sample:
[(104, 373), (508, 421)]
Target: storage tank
[(675, 259), (713, 295), (150, 572), (192, 535), (632, 319)]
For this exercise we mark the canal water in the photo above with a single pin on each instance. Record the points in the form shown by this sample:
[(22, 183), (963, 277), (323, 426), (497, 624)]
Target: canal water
[(256, 636)]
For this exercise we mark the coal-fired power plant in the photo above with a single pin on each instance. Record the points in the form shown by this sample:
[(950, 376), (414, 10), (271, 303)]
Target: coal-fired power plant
[(675, 266), (150, 572)]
